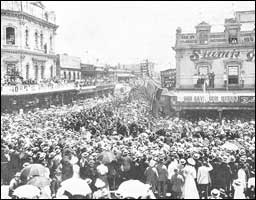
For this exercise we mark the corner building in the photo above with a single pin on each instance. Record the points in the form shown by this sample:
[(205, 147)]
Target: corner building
[(215, 70), (28, 34)]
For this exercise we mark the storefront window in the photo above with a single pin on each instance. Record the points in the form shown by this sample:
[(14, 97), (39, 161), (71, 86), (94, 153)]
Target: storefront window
[(233, 76)]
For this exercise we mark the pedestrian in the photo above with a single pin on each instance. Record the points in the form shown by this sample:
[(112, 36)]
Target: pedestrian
[(177, 182)]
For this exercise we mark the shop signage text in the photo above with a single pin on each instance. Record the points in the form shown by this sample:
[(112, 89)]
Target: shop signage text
[(211, 55), (217, 99)]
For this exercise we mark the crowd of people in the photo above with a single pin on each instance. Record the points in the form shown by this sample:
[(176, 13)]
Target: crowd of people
[(105, 142)]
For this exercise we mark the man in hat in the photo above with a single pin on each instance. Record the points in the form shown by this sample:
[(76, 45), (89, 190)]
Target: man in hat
[(162, 177), (251, 186), (203, 178), (177, 183)]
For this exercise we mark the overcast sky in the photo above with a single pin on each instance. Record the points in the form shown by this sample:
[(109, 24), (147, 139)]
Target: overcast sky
[(128, 32)]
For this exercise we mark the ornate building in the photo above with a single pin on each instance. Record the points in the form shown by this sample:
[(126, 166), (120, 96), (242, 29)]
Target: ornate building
[(28, 33)]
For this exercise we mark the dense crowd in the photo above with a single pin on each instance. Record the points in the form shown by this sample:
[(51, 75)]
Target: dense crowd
[(105, 142)]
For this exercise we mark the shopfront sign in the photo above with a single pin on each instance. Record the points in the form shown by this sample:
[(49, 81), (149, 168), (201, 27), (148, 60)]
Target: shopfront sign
[(216, 99), (212, 55)]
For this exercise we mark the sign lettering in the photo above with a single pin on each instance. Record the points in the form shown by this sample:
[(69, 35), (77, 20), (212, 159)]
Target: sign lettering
[(211, 55)]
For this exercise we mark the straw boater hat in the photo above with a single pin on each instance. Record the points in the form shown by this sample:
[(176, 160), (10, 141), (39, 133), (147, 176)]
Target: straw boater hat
[(215, 193), (191, 161)]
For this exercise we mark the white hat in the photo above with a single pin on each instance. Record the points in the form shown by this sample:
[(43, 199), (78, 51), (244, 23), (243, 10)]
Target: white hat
[(27, 191), (99, 183), (215, 193), (152, 163), (191, 161)]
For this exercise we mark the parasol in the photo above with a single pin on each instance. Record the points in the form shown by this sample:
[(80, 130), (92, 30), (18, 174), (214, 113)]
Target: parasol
[(76, 186), (27, 192), (133, 189), (106, 157), (229, 146), (33, 170), (39, 181)]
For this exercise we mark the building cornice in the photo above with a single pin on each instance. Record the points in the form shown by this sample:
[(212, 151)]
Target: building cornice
[(19, 51), (221, 46), (23, 15)]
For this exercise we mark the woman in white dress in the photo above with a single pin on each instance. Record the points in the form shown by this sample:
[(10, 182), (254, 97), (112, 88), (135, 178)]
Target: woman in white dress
[(239, 189), (189, 172)]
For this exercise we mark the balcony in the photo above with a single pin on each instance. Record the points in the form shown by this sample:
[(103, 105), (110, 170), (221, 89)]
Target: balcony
[(198, 87)]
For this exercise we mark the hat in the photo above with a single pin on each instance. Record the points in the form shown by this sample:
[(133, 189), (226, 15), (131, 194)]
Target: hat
[(182, 161), (215, 192), (25, 164), (52, 154), (196, 156), (232, 159), (152, 163), (17, 174), (42, 156), (191, 161), (99, 183), (237, 182)]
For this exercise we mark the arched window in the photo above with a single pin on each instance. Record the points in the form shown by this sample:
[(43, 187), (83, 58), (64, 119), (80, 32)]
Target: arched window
[(27, 71), (36, 72), (51, 71), (10, 36), (51, 42), (69, 75), (26, 37), (42, 72), (45, 48), (36, 39), (41, 40)]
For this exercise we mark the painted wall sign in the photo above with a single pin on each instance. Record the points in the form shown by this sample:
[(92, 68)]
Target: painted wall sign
[(211, 55), (217, 99)]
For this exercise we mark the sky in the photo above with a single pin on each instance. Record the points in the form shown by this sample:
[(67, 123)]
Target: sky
[(129, 32)]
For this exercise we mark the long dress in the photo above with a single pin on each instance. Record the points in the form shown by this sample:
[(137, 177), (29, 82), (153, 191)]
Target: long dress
[(190, 189)]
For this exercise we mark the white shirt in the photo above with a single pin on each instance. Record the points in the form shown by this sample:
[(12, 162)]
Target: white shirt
[(251, 182), (171, 167), (203, 176), (102, 169)]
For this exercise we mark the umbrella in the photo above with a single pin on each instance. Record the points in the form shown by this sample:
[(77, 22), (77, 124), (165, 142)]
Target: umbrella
[(107, 157), (230, 146), (39, 181), (27, 191), (76, 186), (133, 188), (33, 170)]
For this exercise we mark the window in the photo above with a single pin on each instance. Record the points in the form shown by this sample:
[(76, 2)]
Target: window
[(42, 72), (10, 36), (74, 75), (78, 75), (36, 72), (26, 37), (203, 70), (203, 37), (51, 71), (27, 71), (65, 76), (45, 48), (41, 40), (233, 75), (69, 75), (51, 42), (36, 39), (232, 38)]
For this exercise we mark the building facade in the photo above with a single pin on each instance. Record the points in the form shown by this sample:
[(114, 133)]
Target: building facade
[(215, 70), (147, 68), (28, 34), (69, 67)]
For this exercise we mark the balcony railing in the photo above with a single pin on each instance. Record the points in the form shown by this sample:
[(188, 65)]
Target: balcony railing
[(217, 87)]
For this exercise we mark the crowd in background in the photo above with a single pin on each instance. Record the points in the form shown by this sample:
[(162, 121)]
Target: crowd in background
[(108, 141)]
